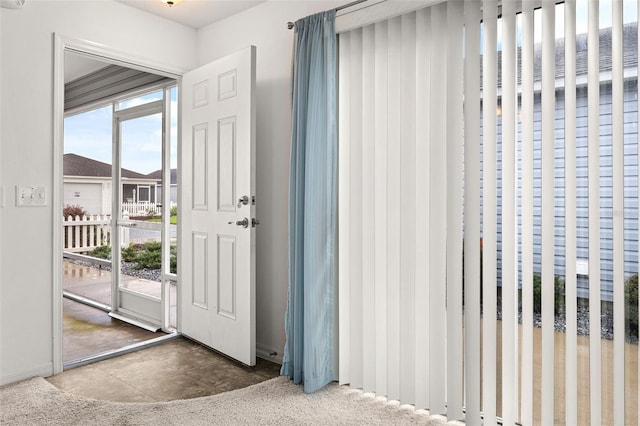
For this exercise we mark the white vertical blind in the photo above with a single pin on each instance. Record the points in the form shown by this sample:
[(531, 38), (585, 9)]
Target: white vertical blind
[(394, 209), (472, 212), (526, 408), (380, 212), (420, 192), (617, 82), (571, 355), (548, 201), (344, 215), (423, 51), (509, 253), (437, 214), (408, 203), (454, 142), (489, 227), (368, 205), (593, 107), (355, 209)]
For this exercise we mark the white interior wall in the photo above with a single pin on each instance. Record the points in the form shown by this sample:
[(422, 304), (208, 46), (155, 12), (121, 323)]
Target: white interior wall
[(265, 26), (26, 151)]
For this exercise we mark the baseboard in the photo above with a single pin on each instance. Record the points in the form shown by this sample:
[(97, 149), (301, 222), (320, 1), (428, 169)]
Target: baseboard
[(44, 370), (269, 354)]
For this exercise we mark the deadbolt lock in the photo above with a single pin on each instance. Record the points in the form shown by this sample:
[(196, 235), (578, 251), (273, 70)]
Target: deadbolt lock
[(244, 200)]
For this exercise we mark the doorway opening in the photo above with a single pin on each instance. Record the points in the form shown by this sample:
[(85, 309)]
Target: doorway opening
[(215, 244), (119, 230)]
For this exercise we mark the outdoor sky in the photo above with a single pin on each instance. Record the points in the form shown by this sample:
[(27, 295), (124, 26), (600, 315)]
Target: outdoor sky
[(89, 135)]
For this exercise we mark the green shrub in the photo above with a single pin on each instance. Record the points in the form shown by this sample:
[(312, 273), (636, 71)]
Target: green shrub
[(631, 303), (173, 211), (173, 259), (149, 259), (153, 246), (129, 254), (102, 252), (558, 283)]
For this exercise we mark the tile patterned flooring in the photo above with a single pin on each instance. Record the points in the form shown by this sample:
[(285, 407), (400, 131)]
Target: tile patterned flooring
[(177, 369)]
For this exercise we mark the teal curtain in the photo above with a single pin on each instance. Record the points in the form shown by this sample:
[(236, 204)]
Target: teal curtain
[(308, 353)]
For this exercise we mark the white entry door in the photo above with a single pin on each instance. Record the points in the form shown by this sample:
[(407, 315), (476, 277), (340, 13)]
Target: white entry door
[(217, 237)]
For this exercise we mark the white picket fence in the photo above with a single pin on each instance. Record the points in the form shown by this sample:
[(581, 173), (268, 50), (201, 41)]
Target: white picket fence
[(144, 208), (141, 208), (85, 233)]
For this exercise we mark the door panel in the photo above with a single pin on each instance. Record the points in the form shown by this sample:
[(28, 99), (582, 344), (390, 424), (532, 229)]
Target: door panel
[(218, 240)]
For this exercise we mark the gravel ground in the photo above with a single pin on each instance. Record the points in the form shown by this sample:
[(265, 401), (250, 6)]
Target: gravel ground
[(606, 320), (606, 323)]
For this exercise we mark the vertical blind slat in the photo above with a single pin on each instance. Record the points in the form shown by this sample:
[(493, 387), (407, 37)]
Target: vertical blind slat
[(394, 212), (571, 356), (381, 108), (369, 279), (437, 215), (453, 244), (489, 227), (344, 214), (526, 405), (617, 81), (509, 253), (472, 212), (422, 186), (355, 198), (407, 189), (548, 201), (593, 107)]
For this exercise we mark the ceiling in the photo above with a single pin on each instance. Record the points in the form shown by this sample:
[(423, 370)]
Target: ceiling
[(76, 66), (194, 13)]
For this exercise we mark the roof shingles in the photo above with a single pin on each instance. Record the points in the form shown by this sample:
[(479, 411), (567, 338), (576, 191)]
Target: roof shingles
[(77, 165)]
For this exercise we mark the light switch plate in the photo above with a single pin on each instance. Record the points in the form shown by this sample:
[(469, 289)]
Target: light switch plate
[(31, 195)]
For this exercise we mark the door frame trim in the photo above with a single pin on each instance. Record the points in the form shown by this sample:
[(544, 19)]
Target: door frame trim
[(62, 44)]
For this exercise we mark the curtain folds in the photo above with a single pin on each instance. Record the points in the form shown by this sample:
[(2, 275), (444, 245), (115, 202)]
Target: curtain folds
[(308, 354)]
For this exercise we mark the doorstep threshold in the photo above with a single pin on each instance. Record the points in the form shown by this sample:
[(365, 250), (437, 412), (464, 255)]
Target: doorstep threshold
[(68, 365)]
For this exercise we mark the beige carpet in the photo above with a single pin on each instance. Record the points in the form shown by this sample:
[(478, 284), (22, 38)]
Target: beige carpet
[(276, 401)]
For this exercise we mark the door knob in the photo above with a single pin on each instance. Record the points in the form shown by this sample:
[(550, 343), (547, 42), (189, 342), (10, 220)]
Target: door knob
[(244, 200), (244, 223)]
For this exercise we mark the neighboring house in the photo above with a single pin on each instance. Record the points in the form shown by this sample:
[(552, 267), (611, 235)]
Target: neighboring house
[(87, 183), (157, 175), (582, 190)]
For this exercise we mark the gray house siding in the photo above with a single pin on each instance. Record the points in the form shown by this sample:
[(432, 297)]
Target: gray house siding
[(582, 190), (606, 163)]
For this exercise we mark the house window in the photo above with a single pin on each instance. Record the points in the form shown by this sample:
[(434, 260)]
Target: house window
[(144, 194)]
